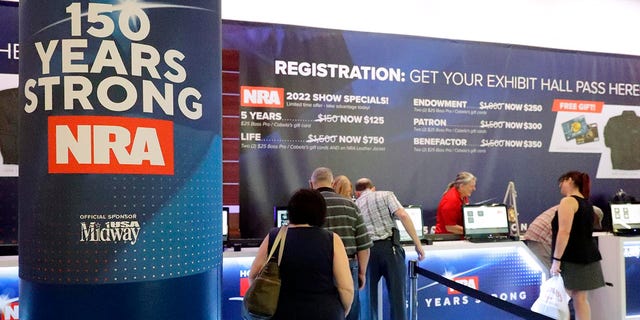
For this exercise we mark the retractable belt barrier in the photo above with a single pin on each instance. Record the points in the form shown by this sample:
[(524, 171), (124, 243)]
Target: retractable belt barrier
[(484, 297)]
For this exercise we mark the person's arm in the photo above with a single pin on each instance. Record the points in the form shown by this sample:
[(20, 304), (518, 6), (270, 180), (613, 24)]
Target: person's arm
[(260, 259), (363, 261), (342, 274), (411, 230), (566, 210), (363, 240), (457, 229)]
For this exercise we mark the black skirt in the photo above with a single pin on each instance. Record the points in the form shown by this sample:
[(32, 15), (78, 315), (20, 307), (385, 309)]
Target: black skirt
[(577, 276)]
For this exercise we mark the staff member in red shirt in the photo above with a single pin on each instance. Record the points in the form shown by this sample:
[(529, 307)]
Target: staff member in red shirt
[(449, 213)]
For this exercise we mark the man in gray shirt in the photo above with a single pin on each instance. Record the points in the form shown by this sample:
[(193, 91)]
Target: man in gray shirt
[(387, 259)]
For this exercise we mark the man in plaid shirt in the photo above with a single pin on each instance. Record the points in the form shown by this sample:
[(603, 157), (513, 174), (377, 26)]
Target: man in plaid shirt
[(538, 236), (387, 258)]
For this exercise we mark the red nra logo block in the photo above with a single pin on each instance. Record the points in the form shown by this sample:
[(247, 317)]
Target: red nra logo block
[(10, 311), (244, 286), (265, 97), (471, 282), (105, 145)]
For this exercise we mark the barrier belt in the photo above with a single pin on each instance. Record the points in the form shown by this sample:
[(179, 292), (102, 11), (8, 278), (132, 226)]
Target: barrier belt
[(484, 297)]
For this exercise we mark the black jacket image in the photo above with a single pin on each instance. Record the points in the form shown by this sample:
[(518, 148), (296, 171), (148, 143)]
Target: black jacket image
[(621, 135), (9, 125)]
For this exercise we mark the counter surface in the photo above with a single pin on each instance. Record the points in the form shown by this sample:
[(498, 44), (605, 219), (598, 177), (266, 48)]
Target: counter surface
[(507, 270)]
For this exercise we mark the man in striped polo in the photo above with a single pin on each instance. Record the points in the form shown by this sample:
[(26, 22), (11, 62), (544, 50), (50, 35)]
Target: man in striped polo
[(343, 218)]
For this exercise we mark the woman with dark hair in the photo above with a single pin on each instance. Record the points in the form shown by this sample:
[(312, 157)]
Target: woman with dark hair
[(449, 212), (314, 270), (575, 253)]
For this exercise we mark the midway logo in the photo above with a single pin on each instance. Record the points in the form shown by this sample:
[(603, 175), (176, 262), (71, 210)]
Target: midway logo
[(265, 97), (103, 145), (111, 231)]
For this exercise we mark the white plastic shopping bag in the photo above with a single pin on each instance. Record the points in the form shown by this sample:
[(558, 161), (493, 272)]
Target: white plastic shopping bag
[(553, 300)]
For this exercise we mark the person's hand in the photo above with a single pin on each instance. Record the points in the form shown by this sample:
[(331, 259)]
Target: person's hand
[(420, 252), (362, 279), (555, 268)]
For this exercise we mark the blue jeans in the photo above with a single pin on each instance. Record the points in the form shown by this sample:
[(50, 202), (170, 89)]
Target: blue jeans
[(388, 260), (354, 314)]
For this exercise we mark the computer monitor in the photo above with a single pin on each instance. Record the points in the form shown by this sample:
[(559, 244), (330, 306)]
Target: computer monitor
[(225, 223), (280, 216), (8, 249), (485, 221), (415, 213), (625, 218)]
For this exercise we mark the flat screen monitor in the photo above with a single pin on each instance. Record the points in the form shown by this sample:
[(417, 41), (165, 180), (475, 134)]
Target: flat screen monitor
[(225, 223), (625, 218), (486, 220), (415, 213), (280, 216), (8, 250)]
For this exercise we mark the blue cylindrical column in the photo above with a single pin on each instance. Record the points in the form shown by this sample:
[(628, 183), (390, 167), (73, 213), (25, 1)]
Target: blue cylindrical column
[(121, 173)]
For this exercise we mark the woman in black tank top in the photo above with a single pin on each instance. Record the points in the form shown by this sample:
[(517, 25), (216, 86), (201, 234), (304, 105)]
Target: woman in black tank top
[(314, 270), (575, 254)]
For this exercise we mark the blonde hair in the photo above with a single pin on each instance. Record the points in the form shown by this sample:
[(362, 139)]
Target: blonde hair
[(342, 186)]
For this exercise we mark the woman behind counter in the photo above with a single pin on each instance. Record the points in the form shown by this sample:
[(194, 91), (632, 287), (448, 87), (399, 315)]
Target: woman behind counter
[(449, 213), (575, 254), (314, 270)]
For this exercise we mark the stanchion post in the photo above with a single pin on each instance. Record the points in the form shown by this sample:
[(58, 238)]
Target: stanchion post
[(413, 290)]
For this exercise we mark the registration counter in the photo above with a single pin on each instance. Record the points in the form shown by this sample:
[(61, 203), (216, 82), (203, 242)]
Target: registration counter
[(507, 270)]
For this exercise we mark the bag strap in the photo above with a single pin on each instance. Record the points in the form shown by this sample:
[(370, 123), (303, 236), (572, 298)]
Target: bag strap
[(281, 248), (282, 234)]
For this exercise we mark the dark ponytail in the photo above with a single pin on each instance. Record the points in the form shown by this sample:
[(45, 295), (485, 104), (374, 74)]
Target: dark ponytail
[(585, 187), (580, 179)]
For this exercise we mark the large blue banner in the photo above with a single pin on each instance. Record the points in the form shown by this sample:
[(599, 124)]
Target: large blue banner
[(411, 112), (9, 116), (121, 126), (9, 42)]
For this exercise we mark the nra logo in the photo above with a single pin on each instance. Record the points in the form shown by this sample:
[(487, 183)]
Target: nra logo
[(265, 97), (103, 145), (471, 282), (9, 311), (244, 282)]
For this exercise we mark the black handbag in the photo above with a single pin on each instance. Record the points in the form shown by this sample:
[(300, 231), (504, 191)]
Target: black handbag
[(261, 299)]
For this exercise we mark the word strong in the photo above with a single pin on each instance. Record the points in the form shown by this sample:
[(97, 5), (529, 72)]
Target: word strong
[(90, 144)]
